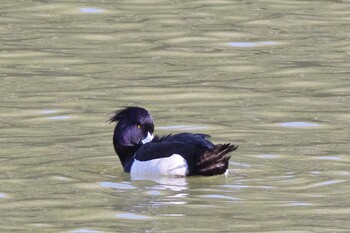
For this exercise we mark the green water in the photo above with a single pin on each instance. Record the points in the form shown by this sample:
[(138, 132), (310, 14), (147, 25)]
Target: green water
[(271, 76)]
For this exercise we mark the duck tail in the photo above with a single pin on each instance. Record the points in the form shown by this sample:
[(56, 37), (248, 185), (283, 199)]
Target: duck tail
[(215, 161)]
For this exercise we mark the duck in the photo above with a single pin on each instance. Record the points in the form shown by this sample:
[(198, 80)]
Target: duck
[(179, 155)]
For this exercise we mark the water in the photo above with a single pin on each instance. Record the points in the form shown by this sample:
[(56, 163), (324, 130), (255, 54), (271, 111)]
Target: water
[(271, 76)]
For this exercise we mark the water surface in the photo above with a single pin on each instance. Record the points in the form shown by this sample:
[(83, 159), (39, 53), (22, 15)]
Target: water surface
[(271, 76)]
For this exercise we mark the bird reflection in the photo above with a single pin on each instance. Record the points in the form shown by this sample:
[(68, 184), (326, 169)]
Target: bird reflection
[(177, 184)]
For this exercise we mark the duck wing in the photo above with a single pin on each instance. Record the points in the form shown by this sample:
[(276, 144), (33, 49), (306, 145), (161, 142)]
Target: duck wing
[(201, 140), (201, 155)]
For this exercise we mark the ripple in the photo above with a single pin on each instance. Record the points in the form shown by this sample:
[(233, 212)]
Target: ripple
[(164, 183), (326, 183), (247, 186), (182, 127), (62, 178), (51, 112), (332, 158), (315, 172), (165, 203), (85, 231), (116, 185), (154, 193), (59, 118), (240, 164), (91, 10), (131, 216), (172, 215), (299, 204), (2, 195), (299, 124), (48, 111), (267, 156), (218, 196), (180, 195), (252, 44), (234, 186)]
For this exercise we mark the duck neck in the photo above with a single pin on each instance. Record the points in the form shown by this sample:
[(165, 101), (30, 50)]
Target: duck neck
[(126, 155)]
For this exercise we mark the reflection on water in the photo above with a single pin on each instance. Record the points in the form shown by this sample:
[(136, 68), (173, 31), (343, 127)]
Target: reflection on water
[(219, 196), (117, 185), (85, 231), (130, 216), (48, 111), (267, 156), (270, 76), (299, 124), (326, 183), (61, 118), (299, 204), (164, 182), (90, 10), (329, 158), (252, 44)]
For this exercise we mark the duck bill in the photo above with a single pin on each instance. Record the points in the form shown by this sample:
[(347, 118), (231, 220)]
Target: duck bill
[(148, 138)]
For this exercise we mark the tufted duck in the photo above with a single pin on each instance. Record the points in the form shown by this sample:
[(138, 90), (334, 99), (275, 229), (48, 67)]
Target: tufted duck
[(183, 154)]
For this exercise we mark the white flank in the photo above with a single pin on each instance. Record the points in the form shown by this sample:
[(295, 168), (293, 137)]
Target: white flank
[(174, 165)]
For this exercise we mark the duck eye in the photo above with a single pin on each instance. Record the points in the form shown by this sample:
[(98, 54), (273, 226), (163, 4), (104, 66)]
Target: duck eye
[(138, 126)]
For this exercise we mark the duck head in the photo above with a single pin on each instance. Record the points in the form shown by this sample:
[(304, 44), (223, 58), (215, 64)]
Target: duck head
[(135, 127)]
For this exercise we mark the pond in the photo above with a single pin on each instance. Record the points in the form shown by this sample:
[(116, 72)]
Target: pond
[(270, 76)]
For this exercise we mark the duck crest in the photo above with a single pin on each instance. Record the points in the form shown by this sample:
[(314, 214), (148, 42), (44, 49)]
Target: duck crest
[(130, 113)]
